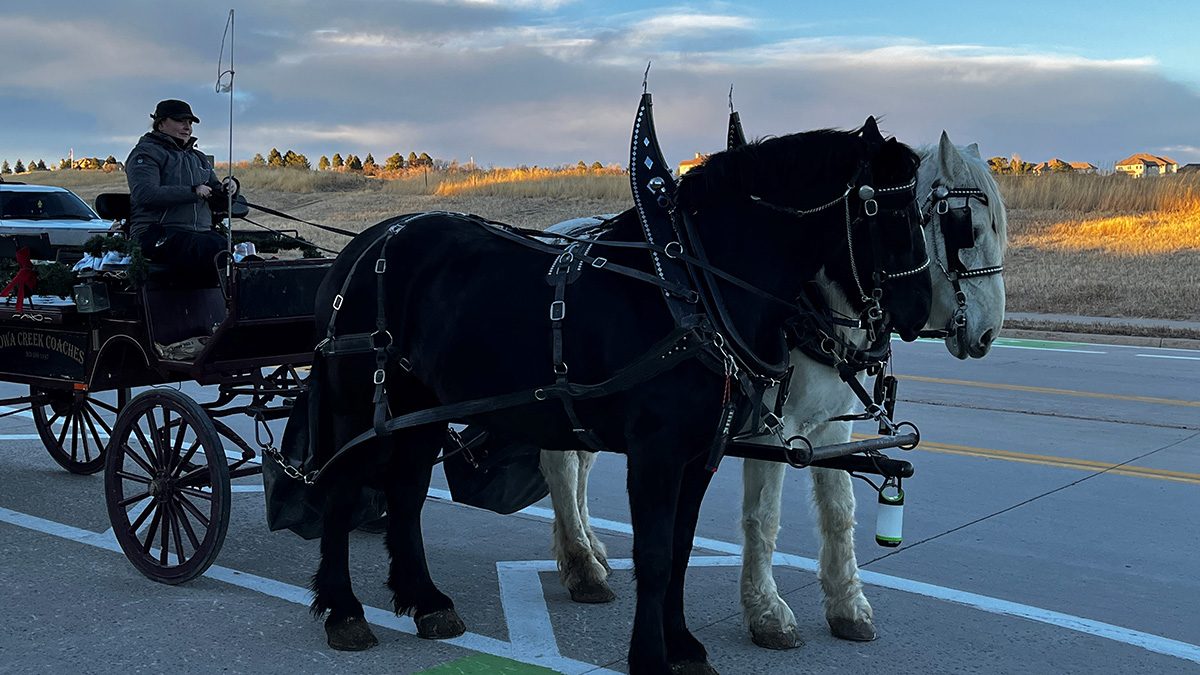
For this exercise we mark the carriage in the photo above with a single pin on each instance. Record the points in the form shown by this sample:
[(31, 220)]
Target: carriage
[(167, 458), (167, 472)]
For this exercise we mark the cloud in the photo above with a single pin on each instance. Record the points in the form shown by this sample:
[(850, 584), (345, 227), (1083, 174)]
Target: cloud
[(532, 82)]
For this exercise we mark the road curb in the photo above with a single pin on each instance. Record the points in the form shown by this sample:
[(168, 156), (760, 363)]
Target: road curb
[(1099, 338)]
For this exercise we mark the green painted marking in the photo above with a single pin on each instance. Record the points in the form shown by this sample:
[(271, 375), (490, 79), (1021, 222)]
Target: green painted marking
[(1044, 344), (486, 664)]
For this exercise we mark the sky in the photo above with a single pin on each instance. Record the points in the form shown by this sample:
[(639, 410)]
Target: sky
[(551, 82)]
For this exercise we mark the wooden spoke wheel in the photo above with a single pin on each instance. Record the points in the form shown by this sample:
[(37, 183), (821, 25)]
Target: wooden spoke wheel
[(166, 484), (76, 426)]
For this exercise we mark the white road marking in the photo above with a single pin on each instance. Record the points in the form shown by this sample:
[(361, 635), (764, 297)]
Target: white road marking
[(1048, 349), (300, 596), (1167, 356)]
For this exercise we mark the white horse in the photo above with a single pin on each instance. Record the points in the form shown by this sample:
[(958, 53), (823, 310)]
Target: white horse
[(971, 320)]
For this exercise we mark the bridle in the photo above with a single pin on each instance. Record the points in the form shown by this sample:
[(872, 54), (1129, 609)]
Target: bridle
[(871, 316), (958, 234)]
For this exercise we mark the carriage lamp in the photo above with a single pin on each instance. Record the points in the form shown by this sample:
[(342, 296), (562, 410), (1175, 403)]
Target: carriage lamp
[(889, 518), (91, 298)]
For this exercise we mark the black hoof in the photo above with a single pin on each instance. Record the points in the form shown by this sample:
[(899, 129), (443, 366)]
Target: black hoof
[(350, 634), (777, 639), (693, 668), (440, 625), (593, 594), (858, 631)]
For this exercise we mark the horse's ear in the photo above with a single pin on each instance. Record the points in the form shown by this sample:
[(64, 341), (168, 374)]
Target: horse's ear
[(973, 150), (949, 158), (870, 132)]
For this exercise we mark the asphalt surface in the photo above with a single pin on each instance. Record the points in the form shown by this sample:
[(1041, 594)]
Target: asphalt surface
[(1050, 527)]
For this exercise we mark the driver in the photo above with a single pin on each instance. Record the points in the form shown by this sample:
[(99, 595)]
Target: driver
[(170, 185)]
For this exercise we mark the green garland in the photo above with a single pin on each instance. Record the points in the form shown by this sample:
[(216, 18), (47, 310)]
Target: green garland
[(59, 279)]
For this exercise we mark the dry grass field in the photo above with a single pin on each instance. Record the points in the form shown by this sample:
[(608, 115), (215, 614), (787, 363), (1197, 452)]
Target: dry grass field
[(1089, 245)]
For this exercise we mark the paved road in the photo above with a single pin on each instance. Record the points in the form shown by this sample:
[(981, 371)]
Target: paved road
[(1050, 528)]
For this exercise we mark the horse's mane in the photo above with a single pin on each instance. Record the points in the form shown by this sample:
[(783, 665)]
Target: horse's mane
[(778, 165)]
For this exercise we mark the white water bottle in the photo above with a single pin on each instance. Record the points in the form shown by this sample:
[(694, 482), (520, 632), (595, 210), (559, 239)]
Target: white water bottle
[(889, 519)]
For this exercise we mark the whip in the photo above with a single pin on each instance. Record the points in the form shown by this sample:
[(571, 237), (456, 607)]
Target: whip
[(225, 84)]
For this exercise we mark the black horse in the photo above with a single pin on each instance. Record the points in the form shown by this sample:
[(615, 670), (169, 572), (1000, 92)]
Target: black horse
[(459, 313)]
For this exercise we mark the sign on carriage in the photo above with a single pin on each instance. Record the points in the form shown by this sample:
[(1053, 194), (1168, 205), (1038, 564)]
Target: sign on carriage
[(45, 353)]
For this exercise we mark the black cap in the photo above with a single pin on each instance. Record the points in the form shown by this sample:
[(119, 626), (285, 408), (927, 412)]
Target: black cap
[(174, 108)]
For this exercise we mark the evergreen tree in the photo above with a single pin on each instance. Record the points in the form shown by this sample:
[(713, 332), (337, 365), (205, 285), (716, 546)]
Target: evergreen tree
[(369, 159), (41, 165), (581, 166), (63, 164), (110, 160), (412, 159), (354, 163), (290, 158), (394, 163), (19, 167), (337, 160), (323, 163), (274, 158), (258, 160), (301, 162), (425, 160), (5, 168), (597, 166)]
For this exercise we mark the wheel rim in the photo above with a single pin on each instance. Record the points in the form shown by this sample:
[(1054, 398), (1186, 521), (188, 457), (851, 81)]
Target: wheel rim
[(167, 485), (76, 428)]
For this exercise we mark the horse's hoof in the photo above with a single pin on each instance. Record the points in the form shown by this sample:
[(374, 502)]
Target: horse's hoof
[(776, 639), (693, 668), (351, 634), (440, 625), (593, 594), (858, 631)]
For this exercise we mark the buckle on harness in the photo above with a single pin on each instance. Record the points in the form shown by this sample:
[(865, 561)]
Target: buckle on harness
[(870, 207), (376, 343), (380, 265), (599, 262), (337, 302), (673, 250), (558, 310), (772, 422), (380, 376)]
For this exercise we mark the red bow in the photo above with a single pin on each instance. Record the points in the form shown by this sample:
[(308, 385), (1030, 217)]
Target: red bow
[(24, 282)]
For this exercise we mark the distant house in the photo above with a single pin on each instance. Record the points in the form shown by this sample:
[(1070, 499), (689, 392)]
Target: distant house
[(1145, 164), (1057, 165), (689, 164), (1190, 168)]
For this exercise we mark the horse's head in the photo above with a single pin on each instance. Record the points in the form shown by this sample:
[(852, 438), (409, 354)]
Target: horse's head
[(967, 229), (860, 186), (890, 267)]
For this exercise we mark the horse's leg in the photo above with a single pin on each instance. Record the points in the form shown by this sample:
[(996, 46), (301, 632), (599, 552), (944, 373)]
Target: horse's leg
[(684, 652), (578, 569), (345, 627), (413, 590), (654, 479), (599, 550), (772, 624), (846, 608)]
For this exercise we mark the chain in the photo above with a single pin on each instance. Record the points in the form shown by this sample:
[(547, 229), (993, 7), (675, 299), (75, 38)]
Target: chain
[(289, 470)]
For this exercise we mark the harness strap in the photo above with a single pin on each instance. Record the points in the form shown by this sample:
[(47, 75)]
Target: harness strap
[(685, 342)]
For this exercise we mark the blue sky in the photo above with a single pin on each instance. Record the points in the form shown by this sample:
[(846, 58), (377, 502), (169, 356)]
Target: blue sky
[(554, 81)]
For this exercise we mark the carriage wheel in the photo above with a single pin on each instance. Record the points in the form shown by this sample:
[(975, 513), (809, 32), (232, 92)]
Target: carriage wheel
[(85, 424), (166, 483)]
